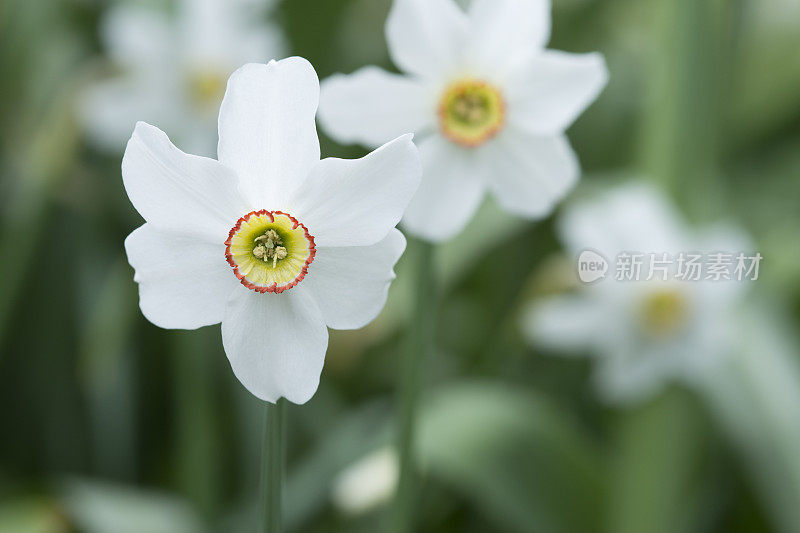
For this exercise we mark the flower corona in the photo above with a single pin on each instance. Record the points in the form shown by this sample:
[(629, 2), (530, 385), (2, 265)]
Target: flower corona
[(664, 313), (205, 88), (270, 251), (471, 112)]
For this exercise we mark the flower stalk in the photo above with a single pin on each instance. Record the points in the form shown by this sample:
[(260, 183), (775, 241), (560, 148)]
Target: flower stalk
[(273, 459), (419, 342), (196, 432)]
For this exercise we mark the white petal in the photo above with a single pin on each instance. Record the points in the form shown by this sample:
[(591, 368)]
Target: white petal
[(356, 202), (369, 482), (450, 193), (565, 323), (110, 109), (531, 173), (372, 106), (502, 29), (219, 33), (178, 192), (183, 283), (208, 30), (266, 128), (259, 41), (350, 284), (628, 381), (276, 343), (553, 88), (426, 37), (634, 217), (137, 36), (198, 135)]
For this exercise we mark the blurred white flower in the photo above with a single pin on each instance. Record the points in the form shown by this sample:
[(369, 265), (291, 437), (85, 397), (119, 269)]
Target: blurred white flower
[(368, 483), (643, 333), (269, 240), (173, 69), (488, 103), (778, 14)]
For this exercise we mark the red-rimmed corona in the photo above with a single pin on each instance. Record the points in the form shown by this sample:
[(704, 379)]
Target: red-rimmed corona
[(270, 251)]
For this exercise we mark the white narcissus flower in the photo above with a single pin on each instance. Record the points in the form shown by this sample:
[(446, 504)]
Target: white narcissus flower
[(643, 333), (488, 103), (269, 240), (173, 69), (368, 483)]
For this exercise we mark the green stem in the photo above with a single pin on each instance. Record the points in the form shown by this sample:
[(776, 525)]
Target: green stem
[(681, 127), (420, 337), (27, 216), (197, 435), (273, 465), (658, 447)]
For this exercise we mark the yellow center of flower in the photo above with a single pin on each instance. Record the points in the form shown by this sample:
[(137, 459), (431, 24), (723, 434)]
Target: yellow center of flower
[(471, 112), (664, 312), (270, 251), (206, 88)]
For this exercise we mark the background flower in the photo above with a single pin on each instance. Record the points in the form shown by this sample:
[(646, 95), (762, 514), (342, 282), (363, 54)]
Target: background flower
[(368, 483), (644, 332), (172, 68), (489, 105)]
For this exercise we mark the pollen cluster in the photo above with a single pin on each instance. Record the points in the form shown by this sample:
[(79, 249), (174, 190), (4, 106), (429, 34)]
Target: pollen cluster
[(270, 251), (471, 112), (269, 248)]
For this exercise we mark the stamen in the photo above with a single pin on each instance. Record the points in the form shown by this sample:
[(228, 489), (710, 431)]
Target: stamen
[(280, 253), (268, 247)]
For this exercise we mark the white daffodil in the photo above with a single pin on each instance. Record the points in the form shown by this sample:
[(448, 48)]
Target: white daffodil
[(643, 333), (172, 69), (269, 240), (368, 483), (488, 103)]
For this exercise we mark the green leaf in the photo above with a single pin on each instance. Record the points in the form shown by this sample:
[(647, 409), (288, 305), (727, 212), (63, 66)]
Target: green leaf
[(31, 515), (521, 461), (99, 508), (309, 484)]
